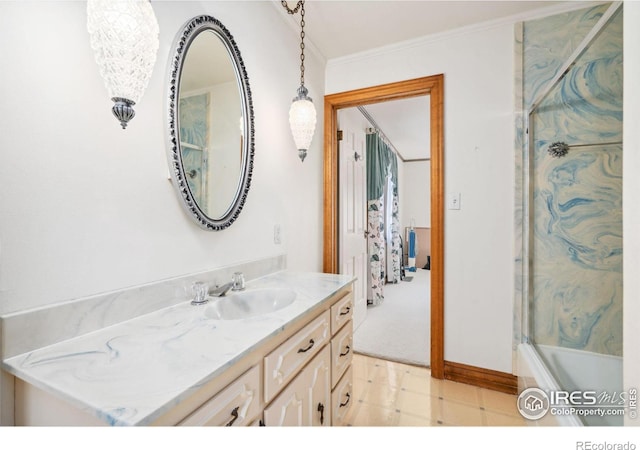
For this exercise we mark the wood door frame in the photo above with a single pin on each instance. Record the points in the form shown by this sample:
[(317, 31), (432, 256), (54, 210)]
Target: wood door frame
[(434, 87)]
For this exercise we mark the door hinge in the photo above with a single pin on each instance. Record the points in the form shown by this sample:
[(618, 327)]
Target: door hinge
[(339, 135)]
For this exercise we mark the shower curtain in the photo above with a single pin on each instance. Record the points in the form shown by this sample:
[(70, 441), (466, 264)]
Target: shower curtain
[(383, 227)]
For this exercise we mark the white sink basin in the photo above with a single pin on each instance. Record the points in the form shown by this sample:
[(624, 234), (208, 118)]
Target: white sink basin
[(245, 304)]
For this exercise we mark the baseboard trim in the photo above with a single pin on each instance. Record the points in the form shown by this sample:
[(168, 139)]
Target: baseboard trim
[(478, 376)]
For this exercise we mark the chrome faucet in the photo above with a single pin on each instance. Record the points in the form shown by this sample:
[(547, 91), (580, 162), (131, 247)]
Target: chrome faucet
[(221, 290), (236, 284)]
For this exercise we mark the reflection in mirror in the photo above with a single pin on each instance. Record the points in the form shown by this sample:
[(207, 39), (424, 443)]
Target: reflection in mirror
[(211, 155), (211, 143)]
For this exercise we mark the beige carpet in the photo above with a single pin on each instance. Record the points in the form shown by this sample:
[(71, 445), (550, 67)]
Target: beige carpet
[(399, 328)]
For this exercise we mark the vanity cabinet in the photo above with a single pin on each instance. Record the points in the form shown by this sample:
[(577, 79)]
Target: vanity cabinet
[(341, 358), (308, 378), (302, 377), (299, 375)]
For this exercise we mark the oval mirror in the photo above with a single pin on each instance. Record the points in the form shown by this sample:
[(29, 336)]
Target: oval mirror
[(210, 118)]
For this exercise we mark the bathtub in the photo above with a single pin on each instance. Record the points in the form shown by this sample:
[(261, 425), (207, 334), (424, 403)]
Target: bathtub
[(573, 370)]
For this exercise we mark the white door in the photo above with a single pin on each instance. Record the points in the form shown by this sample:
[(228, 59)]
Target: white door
[(353, 207)]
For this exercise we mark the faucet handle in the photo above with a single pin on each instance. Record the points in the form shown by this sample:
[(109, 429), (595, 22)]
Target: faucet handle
[(200, 291), (238, 281)]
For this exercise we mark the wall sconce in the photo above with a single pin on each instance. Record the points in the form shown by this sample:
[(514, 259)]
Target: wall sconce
[(124, 38), (302, 114)]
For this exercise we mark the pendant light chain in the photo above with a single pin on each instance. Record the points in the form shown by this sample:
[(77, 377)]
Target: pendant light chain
[(299, 7), (302, 114), (302, 44)]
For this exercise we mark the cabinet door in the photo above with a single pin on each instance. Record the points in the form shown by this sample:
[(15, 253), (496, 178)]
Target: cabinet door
[(306, 400), (319, 401), (287, 409)]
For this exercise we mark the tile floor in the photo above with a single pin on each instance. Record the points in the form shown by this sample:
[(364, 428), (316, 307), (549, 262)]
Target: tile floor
[(387, 393)]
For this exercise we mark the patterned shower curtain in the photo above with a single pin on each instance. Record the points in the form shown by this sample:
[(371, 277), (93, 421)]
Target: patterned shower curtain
[(393, 254), (383, 227)]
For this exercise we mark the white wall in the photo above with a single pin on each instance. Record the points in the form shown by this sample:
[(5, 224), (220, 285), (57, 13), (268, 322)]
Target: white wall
[(86, 207), (479, 133), (415, 201), (631, 194)]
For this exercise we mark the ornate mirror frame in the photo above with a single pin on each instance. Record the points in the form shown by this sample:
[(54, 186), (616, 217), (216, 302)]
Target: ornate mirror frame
[(178, 54)]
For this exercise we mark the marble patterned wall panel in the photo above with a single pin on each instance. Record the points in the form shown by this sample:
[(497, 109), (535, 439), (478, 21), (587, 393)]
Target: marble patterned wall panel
[(576, 211), (577, 251), (548, 43), (586, 106)]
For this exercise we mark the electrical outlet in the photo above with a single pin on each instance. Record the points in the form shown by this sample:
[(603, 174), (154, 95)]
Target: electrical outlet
[(454, 200), (277, 236)]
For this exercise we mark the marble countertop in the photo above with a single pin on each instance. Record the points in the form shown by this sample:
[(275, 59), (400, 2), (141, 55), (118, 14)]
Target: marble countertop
[(133, 372)]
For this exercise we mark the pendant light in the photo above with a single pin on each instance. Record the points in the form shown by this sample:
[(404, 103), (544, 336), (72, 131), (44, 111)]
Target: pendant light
[(302, 114), (124, 38)]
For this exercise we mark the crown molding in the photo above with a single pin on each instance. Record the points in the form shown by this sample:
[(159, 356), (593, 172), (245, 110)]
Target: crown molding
[(457, 32)]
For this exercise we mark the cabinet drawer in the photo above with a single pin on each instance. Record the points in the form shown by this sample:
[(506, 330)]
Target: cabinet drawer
[(237, 404), (341, 352), (341, 398), (341, 312), (281, 365)]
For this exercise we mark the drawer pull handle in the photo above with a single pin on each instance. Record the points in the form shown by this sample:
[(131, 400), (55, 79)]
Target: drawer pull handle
[(347, 402), (347, 352), (234, 414), (321, 411), (302, 350), (344, 313)]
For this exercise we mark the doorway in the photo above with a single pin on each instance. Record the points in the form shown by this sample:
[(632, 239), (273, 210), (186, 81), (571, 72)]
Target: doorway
[(434, 87)]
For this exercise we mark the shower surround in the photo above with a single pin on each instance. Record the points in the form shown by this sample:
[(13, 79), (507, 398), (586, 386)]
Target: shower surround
[(569, 208)]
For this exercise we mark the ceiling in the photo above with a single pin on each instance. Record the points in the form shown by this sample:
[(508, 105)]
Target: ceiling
[(337, 28), (405, 124), (342, 27)]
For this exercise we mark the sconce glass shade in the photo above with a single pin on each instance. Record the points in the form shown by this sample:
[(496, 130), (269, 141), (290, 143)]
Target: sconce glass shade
[(124, 38), (302, 119)]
